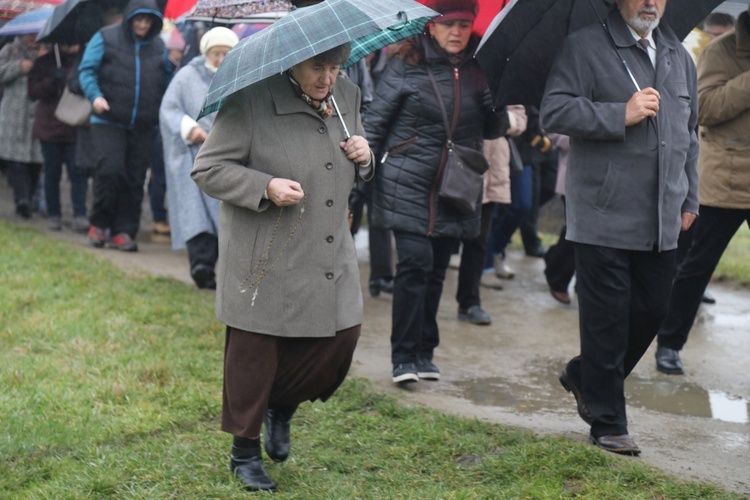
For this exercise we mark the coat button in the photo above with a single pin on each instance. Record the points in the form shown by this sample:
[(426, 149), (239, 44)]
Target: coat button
[(663, 144), (329, 166), (322, 129), (329, 239), (329, 276), (329, 203)]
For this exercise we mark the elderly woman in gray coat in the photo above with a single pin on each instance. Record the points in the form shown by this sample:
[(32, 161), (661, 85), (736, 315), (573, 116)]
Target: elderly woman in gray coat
[(194, 215), (22, 153), (288, 281)]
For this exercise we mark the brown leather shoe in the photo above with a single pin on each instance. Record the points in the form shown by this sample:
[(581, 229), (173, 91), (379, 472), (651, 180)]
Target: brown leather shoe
[(569, 386), (563, 297), (622, 444)]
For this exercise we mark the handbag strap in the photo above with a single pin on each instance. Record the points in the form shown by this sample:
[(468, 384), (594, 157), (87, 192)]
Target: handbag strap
[(448, 129)]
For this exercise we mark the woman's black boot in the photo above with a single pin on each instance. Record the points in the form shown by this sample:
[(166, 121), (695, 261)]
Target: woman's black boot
[(276, 440), (247, 465)]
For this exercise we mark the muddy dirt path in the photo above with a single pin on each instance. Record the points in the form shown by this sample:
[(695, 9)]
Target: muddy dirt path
[(694, 427)]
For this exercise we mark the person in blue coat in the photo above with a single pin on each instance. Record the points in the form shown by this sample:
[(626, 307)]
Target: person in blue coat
[(123, 73)]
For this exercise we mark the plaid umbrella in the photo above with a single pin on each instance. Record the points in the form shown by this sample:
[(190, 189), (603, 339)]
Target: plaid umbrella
[(27, 23), (305, 33), (235, 11)]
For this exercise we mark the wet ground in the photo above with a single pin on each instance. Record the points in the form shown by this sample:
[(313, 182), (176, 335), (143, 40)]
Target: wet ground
[(695, 426)]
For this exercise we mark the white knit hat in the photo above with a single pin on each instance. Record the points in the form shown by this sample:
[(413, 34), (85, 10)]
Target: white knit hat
[(219, 36)]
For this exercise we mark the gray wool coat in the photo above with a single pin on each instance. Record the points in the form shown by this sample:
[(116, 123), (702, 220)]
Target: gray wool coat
[(191, 211), (16, 109), (625, 187), (297, 264)]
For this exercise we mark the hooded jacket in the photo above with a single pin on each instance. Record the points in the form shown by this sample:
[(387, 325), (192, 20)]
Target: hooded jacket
[(405, 121), (130, 73)]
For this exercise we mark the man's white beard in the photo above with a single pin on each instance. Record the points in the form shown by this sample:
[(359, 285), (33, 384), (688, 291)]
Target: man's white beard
[(642, 25)]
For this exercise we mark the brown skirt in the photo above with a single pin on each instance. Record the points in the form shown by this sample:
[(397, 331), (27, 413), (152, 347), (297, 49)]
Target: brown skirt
[(262, 372)]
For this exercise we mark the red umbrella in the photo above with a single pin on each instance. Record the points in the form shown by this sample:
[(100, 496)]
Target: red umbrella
[(177, 8), (488, 9)]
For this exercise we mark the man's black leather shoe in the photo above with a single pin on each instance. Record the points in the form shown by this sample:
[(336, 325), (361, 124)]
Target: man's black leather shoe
[(380, 285), (668, 361), (247, 465), (622, 444), (570, 386), (708, 298), (278, 424)]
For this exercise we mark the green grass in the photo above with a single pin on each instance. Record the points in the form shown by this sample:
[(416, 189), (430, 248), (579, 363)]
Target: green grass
[(111, 387)]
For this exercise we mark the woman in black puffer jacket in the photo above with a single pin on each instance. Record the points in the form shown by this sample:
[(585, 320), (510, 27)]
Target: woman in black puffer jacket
[(405, 128)]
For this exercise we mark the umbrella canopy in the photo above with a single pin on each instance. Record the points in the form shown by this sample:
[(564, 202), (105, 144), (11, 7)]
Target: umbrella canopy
[(521, 43), (76, 21), (11, 8), (235, 11), (28, 23), (177, 8), (304, 33)]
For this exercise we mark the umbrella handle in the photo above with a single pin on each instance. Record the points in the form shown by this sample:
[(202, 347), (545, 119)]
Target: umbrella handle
[(57, 56), (341, 118)]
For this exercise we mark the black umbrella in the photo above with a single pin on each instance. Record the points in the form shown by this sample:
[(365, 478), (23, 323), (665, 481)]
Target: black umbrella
[(76, 21), (520, 45)]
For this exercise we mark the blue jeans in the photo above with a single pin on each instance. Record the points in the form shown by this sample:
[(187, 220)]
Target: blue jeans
[(157, 184), (55, 154), (506, 222)]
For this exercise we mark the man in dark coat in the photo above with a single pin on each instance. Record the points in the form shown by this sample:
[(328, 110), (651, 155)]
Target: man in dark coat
[(631, 187), (123, 73)]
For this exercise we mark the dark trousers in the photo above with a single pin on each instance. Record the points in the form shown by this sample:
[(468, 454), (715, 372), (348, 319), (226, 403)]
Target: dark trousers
[(472, 262), (157, 183), (507, 221), (203, 249), (714, 230), (417, 287), (560, 262), (544, 178), (122, 161), (623, 297), (379, 240), (55, 155), (23, 179), (262, 372)]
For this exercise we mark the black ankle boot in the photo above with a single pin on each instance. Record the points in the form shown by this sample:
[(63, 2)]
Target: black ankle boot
[(247, 465), (276, 440)]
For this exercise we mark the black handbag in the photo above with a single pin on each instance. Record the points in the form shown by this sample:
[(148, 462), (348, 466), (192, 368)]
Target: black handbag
[(462, 169)]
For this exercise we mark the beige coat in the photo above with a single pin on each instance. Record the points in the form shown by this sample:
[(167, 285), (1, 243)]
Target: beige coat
[(497, 178), (301, 262), (724, 117)]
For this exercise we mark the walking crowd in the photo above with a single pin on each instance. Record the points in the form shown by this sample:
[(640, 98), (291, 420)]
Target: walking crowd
[(266, 194)]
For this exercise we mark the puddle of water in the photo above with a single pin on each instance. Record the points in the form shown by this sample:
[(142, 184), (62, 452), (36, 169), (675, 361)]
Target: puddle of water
[(666, 396)]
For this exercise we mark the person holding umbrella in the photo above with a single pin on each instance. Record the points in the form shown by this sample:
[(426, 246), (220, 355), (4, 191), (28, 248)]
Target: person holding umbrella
[(288, 280), (627, 97), (123, 74), (405, 125), (20, 150), (46, 82)]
